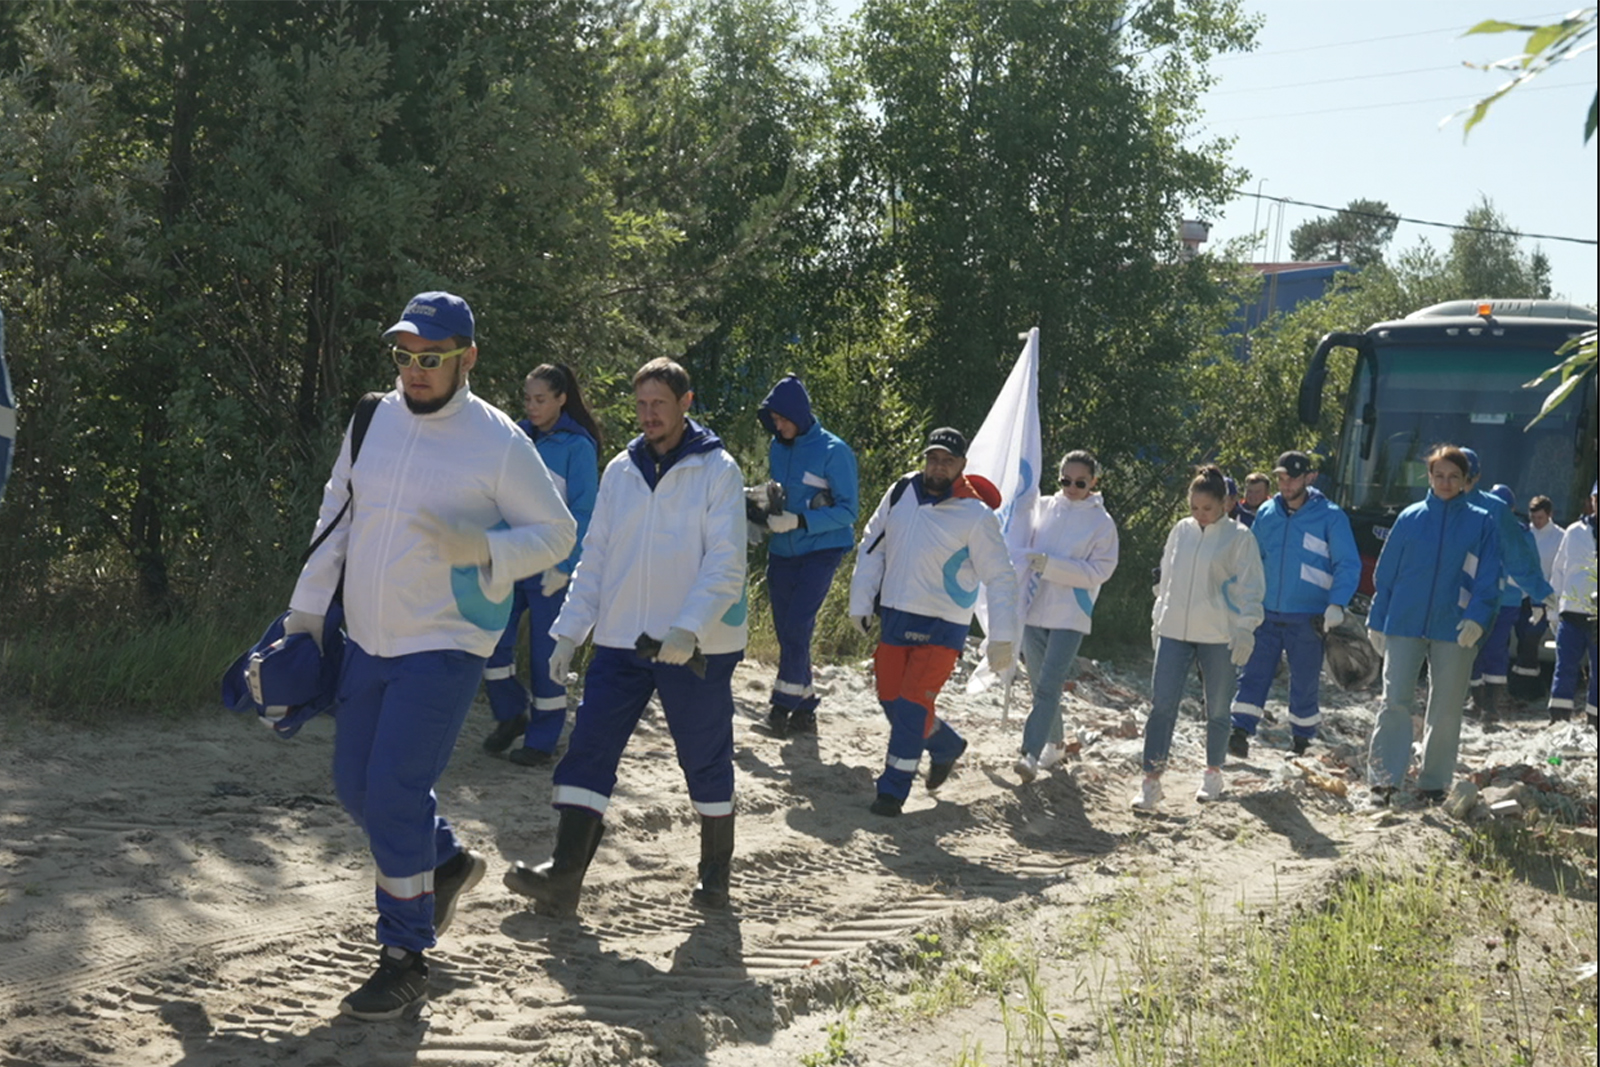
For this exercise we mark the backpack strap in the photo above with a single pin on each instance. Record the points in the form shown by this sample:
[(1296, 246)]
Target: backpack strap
[(366, 407), (896, 491)]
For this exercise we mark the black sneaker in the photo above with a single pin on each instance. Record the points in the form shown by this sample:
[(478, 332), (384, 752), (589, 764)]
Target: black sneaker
[(400, 981), (938, 773), (1301, 744), (504, 733), (1239, 743), (529, 757), (802, 722), (453, 877), (778, 721), (1380, 796), (1431, 797), (887, 805)]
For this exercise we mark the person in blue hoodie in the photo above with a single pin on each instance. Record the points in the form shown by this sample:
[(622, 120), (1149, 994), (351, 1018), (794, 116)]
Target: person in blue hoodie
[(1436, 589), (1312, 567), (568, 440), (1521, 574), (808, 539)]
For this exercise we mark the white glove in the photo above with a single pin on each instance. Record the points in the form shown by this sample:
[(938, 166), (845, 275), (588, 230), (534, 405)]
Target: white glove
[(676, 647), (1377, 640), (1038, 561), (1467, 633), (458, 544), (1241, 647), (561, 660), (1536, 615), (862, 624), (1001, 656), (783, 522), (553, 581), (303, 622), (1332, 617)]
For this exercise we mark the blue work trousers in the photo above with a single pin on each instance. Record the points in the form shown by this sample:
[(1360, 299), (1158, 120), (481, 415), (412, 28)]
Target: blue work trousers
[(507, 698), (1049, 656), (1530, 638), (1174, 659), (1574, 640), (1449, 678), (394, 731), (796, 586), (699, 714), (1291, 635), (1494, 655)]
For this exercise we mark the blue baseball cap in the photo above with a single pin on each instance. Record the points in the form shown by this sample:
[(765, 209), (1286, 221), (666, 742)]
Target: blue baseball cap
[(436, 316), (1506, 495), (1473, 469)]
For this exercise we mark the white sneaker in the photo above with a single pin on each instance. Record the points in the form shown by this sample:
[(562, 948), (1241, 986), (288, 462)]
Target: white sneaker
[(1050, 757), (1210, 786), (1149, 797), (1027, 767)]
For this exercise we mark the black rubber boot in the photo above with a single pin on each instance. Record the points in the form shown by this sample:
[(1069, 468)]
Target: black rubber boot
[(1492, 692), (1481, 708), (716, 861), (778, 719), (557, 883)]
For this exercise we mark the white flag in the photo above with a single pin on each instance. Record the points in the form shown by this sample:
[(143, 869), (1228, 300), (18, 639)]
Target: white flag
[(1006, 451)]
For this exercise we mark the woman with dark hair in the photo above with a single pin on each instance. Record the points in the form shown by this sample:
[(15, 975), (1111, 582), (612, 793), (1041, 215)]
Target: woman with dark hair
[(1435, 591), (568, 439), (1208, 605), (1071, 553)]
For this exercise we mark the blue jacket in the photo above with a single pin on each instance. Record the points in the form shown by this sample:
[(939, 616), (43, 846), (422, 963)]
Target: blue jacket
[(1519, 552), (815, 460), (573, 459), (1440, 564), (1309, 556)]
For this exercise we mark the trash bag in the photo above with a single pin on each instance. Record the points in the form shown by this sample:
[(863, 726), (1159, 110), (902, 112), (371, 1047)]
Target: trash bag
[(1349, 657)]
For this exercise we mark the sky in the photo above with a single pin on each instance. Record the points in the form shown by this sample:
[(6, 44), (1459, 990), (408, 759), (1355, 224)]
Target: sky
[(1340, 101)]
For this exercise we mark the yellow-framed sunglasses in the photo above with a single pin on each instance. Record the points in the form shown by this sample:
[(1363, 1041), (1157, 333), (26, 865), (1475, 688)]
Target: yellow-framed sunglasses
[(425, 360)]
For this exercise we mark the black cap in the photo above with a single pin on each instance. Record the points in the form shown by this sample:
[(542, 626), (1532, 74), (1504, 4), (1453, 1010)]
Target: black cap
[(1294, 464), (948, 439)]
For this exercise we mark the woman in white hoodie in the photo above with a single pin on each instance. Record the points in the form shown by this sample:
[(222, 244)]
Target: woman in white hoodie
[(1071, 554), (1208, 605)]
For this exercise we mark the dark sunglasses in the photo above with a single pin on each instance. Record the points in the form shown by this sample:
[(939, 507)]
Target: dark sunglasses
[(1081, 483)]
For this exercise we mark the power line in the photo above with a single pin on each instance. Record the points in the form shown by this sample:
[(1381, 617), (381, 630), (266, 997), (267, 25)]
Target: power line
[(1522, 91), (1331, 81), (1458, 28), (1415, 222)]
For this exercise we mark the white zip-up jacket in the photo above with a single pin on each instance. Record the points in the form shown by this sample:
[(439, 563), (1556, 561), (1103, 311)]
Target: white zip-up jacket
[(1080, 539), (1573, 573), (466, 463), (671, 556), (1212, 584), (931, 558), (1548, 540)]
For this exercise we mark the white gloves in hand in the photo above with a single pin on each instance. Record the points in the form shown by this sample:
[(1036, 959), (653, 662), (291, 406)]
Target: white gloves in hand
[(676, 647), (783, 522), (1536, 615), (303, 622), (1002, 655), (1332, 617), (1467, 633), (1038, 561), (862, 624), (458, 544), (1377, 640), (553, 581), (1241, 647), (561, 660)]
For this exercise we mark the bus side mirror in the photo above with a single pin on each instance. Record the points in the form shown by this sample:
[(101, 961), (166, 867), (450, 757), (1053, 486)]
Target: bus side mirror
[(1316, 375)]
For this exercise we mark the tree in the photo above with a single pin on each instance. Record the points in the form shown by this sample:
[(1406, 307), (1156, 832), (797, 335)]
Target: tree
[(1486, 258), (1356, 235)]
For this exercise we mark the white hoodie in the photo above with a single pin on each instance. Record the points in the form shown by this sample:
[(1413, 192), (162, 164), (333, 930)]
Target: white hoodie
[(671, 557), (1212, 584), (467, 462), (1573, 573), (1080, 539)]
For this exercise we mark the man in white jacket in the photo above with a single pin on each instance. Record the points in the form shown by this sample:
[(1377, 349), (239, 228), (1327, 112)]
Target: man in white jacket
[(661, 585), (922, 555), (449, 505)]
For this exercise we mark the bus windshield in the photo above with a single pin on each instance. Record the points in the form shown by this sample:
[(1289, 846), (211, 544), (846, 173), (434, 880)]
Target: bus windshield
[(1430, 394)]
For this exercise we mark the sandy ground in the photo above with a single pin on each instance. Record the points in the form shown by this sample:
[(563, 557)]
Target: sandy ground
[(189, 892)]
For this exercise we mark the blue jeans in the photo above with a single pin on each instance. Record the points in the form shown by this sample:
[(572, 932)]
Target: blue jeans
[(1449, 678), (1048, 655), (1294, 636), (393, 734), (1171, 672)]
